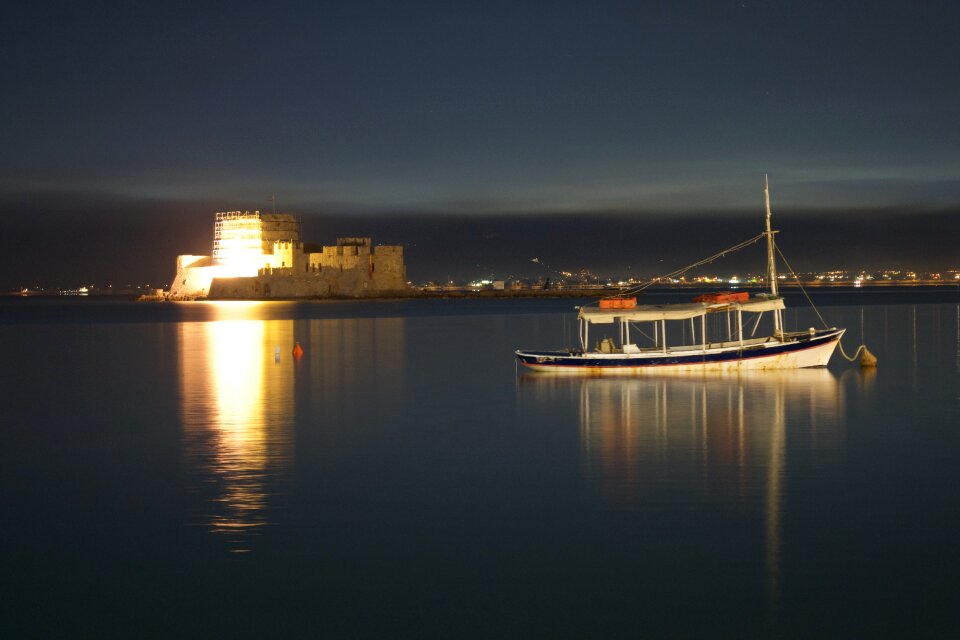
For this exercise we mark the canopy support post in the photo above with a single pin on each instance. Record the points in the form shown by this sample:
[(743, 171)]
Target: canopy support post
[(740, 325), (703, 331)]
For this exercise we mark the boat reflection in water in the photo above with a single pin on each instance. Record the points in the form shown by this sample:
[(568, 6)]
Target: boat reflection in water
[(237, 412), (705, 444)]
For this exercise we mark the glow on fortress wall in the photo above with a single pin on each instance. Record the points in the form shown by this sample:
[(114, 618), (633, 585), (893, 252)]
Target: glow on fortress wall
[(244, 244), (237, 243)]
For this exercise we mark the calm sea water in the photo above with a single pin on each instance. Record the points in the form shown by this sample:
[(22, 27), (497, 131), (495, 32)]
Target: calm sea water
[(172, 471)]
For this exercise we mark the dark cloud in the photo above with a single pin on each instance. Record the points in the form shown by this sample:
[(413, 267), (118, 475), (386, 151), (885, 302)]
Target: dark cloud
[(70, 238)]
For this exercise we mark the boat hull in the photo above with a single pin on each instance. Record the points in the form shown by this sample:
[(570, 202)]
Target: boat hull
[(812, 351)]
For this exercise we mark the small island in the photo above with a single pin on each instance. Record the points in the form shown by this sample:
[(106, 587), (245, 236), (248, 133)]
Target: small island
[(261, 256)]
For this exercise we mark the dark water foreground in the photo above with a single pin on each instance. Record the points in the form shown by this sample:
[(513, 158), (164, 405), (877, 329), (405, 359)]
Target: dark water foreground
[(165, 474)]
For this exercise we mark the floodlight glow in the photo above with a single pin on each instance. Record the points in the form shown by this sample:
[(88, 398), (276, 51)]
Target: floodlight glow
[(237, 244)]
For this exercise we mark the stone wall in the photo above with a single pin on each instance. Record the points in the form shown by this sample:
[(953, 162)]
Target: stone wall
[(276, 227), (284, 254), (283, 283), (389, 271), (383, 265), (193, 276)]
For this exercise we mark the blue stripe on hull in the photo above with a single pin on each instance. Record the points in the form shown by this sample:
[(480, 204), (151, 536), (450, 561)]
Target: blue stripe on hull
[(563, 359)]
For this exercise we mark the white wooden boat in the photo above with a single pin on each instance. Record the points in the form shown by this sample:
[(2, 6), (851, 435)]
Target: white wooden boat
[(659, 328)]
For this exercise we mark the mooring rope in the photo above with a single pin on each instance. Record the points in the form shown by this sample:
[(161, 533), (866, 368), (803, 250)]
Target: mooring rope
[(856, 354)]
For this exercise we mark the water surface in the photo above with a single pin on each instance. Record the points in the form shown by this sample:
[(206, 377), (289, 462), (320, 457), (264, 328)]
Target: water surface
[(172, 470)]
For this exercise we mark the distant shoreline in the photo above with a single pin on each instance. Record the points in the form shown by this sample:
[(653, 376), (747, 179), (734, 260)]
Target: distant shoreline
[(602, 291), (579, 292)]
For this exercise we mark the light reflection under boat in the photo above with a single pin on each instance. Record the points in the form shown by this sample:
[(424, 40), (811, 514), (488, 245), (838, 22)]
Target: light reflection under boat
[(647, 441)]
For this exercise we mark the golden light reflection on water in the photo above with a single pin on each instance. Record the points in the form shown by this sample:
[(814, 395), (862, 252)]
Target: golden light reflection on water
[(237, 406), (723, 438)]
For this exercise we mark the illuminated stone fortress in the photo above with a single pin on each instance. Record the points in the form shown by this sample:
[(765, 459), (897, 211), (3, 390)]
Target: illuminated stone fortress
[(260, 255)]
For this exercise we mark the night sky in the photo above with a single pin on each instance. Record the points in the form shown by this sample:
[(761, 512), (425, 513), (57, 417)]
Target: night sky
[(603, 135)]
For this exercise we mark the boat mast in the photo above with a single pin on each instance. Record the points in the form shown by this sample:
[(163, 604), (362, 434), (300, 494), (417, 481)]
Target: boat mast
[(771, 263)]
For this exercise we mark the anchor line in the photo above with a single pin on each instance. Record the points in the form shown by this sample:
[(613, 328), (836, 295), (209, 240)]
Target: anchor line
[(856, 354)]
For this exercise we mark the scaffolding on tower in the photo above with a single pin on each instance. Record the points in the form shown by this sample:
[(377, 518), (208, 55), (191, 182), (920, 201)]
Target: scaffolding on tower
[(237, 237)]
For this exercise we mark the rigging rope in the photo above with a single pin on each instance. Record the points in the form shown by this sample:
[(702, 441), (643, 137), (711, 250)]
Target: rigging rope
[(672, 274), (800, 284)]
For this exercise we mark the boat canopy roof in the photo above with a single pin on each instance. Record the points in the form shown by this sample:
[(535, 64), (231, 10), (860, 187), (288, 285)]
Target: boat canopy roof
[(657, 312)]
